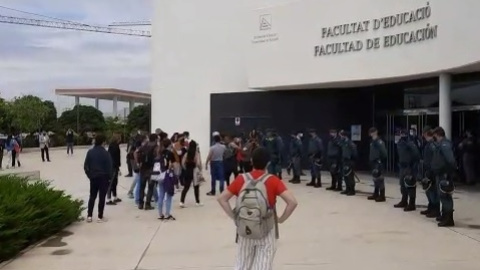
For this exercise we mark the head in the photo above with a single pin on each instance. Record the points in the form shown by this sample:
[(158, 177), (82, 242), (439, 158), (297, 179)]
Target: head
[(158, 131), (174, 137), (215, 133), (227, 138), (152, 138), (343, 134), (312, 132), (186, 134), (412, 132), (373, 132), (468, 134), (99, 140), (44, 133), (166, 143), (139, 132), (217, 139), (428, 134), (116, 138), (260, 158), (403, 133), (439, 133), (333, 133)]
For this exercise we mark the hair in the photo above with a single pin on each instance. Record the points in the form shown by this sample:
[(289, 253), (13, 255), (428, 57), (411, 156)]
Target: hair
[(174, 137), (428, 133), (166, 143), (191, 151), (217, 138), (115, 137), (99, 139), (153, 137), (186, 133), (260, 158), (439, 131), (372, 130)]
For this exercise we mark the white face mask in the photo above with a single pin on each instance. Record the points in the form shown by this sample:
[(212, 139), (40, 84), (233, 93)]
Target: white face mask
[(412, 133)]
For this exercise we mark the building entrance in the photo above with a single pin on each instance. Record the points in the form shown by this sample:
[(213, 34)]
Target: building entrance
[(389, 125)]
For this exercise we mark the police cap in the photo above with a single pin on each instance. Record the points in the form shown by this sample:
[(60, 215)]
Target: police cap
[(312, 130), (439, 131), (372, 130), (333, 130)]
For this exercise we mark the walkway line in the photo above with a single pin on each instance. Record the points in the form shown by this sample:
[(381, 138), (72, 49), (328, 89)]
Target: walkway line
[(147, 247)]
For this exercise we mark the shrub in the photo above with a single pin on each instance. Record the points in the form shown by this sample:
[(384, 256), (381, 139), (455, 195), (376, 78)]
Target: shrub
[(31, 211)]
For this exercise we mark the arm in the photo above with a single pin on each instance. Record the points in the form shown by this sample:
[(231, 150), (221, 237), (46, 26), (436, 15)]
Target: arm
[(447, 153), (209, 157), (223, 200), (383, 149), (198, 160), (291, 202), (414, 149), (86, 164)]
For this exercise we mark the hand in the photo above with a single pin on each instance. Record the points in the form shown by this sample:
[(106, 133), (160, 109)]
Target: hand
[(280, 220), (119, 173)]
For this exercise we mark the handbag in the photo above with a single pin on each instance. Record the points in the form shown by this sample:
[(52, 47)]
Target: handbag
[(200, 177), (157, 174)]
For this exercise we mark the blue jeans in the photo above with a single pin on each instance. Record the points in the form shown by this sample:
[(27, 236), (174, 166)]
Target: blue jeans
[(217, 174), (136, 191), (163, 195)]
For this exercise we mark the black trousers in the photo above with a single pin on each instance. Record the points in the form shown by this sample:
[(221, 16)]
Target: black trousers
[(145, 182), (129, 164), (98, 187), (112, 187), (1, 156), (14, 157), (245, 166), (45, 154), (230, 169), (186, 187)]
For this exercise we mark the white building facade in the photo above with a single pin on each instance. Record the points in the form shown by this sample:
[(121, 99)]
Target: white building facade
[(221, 46)]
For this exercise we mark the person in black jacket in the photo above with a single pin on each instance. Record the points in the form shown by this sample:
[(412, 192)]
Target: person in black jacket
[(98, 168), (114, 150)]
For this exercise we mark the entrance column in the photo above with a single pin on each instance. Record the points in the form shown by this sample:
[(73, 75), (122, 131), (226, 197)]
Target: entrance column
[(96, 103), (115, 100), (77, 101), (131, 105), (445, 104)]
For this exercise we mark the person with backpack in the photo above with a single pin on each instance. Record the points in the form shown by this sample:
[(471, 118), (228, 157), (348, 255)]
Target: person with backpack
[(349, 156), (164, 176), (408, 158), (230, 158), (144, 158), (255, 215)]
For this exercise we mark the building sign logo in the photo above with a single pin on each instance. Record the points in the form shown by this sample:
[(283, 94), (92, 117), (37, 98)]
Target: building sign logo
[(265, 22)]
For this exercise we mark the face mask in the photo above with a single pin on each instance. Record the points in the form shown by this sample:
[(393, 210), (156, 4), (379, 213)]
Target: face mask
[(412, 133), (333, 134)]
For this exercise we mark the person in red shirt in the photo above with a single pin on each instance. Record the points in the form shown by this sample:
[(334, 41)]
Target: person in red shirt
[(259, 253)]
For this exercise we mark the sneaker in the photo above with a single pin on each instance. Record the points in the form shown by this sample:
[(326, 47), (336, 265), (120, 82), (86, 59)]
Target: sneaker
[(199, 204), (117, 200), (130, 196), (101, 220), (182, 205), (111, 203), (89, 219), (162, 217)]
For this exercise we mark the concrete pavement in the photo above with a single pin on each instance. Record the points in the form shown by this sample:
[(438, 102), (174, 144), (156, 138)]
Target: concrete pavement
[(328, 231)]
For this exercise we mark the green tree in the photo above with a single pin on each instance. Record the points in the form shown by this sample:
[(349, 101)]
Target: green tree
[(84, 118), (28, 113), (140, 117), (51, 123)]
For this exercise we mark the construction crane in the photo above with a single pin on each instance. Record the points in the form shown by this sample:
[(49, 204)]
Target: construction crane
[(73, 26), (137, 23)]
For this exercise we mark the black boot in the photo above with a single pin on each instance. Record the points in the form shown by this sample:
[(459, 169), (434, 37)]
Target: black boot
[(402, 203), (333, 186), (381, 197), (318, 184), (411, 205), (374, 195), (350, 191), (426, 211), (312, 182), (447, 220), (295, 180), (434, 211), (441, 217)]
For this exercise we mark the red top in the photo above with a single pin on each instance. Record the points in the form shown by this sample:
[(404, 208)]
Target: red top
[(274, 185), (239, 153)]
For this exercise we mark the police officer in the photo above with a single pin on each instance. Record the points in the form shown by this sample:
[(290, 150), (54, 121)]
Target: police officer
[(334, 155), (377, 156), (443, 165), (408, 158), (274, 148), (315, 155), (428, 181), (348, 155), (296, 156)]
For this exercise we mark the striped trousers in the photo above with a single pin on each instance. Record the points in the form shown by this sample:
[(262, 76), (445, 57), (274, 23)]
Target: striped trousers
[(256, 254)]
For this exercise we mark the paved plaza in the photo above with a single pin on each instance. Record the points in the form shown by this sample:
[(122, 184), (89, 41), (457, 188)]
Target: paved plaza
[(328, 231)]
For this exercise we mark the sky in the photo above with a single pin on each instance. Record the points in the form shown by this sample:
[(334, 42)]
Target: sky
[(36, 60)]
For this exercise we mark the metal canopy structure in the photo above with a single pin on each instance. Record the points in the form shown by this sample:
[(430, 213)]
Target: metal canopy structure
[(112, 94)]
